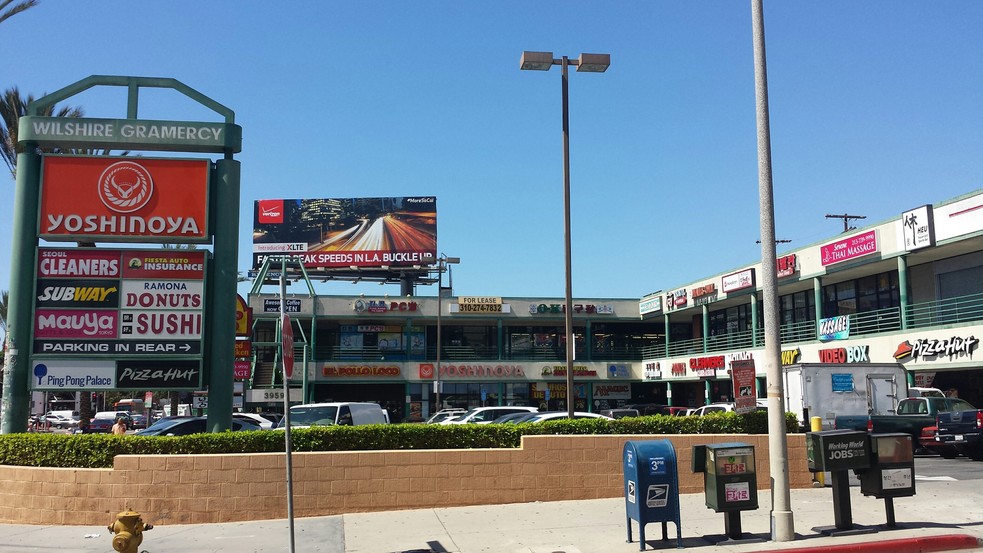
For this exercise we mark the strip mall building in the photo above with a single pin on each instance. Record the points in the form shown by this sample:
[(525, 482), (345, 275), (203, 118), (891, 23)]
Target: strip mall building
[(907, 290)]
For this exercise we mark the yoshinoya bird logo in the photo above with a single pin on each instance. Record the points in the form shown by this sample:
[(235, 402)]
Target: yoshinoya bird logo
[(125, 186)]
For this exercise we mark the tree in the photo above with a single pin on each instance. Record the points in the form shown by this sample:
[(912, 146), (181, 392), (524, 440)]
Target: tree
[(13, 106), (6, 13)]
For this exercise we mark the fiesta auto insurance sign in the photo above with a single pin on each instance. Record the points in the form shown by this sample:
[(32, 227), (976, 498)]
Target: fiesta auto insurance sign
[(139, 312), (120, 199)]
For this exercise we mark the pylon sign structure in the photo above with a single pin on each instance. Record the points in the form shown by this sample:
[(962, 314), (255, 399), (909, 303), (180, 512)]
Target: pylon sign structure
[(126, 318)]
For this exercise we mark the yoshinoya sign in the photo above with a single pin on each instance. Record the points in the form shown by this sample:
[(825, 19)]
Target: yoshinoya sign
[(347, 232), (849, 248), (124, 199)]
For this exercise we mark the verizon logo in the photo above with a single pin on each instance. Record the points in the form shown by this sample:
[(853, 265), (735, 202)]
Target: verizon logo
[(270, 211)]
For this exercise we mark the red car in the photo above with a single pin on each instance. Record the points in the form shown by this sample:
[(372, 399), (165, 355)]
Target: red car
[(928, 443)]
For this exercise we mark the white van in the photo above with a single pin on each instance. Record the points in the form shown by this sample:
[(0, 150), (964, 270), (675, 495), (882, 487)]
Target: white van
[(343, 414)]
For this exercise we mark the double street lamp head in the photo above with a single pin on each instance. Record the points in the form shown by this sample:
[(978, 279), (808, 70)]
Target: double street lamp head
[(542, 61)]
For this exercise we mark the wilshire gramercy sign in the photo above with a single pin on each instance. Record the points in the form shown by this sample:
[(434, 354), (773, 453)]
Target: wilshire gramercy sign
[(136, 134)]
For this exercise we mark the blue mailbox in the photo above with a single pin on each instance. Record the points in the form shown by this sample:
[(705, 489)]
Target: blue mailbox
[(651, 487)]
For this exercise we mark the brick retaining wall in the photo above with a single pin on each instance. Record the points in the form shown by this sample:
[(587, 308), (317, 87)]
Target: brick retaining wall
[(194, 489)]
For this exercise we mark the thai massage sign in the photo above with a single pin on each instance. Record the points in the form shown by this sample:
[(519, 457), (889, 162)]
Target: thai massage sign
[(124, 199), (849, 248)]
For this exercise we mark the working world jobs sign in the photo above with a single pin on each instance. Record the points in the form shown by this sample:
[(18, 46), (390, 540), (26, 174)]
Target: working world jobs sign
[(108, 319)]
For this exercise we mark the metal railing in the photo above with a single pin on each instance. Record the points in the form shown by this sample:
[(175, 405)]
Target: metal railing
[(945, 312), (951, 311)]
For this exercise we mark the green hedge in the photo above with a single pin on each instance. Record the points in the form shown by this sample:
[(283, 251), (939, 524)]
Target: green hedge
[(98, 450)]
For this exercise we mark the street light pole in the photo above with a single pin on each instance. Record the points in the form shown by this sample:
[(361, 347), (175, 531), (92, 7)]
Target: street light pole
[(442, 263), (592, 63)]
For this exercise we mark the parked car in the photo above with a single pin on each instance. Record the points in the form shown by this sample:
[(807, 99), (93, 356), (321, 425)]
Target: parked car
[(445, 414), (930, 442), (725, 408), (254, 418), (963, 430), (484, 415), (913, 415), (183, 426), (342, 414), (103, 421), (646, 409), (560, 415), (60, 419), (139, 420), (513, 418), (620, 413)]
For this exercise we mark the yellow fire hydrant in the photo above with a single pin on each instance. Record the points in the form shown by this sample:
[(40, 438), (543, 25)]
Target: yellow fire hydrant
[(128, 530)]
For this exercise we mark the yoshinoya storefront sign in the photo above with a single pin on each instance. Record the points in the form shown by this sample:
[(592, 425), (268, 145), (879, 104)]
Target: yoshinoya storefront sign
[(469, 371), (124, 199), (849, 248)]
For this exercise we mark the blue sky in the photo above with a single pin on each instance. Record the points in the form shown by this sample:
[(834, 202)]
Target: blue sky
[(875, 108)]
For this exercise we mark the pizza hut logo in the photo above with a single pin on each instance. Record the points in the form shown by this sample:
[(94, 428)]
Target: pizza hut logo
[(125, 187), (270, 211)]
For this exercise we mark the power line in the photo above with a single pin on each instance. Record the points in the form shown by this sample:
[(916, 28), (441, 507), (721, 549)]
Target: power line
[(846, 220)]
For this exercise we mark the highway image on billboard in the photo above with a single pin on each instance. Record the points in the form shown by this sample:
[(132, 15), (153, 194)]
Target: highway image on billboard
[(347, 232)]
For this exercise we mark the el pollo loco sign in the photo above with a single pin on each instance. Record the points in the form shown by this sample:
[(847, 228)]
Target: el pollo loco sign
[(124, 199)]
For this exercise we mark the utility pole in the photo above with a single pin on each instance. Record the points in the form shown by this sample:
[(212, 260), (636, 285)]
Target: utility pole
[(846, 220)]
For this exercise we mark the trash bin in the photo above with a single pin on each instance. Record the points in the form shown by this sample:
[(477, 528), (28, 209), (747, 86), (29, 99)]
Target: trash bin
[(838, 451), (892, 470), (651, 487), (730, 483)]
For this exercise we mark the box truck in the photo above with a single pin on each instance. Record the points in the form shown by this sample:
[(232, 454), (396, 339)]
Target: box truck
[(829, 390)]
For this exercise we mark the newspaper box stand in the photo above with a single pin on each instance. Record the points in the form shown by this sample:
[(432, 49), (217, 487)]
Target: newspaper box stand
[(651, 487), (730, 484), (892, 470), (839, 451)]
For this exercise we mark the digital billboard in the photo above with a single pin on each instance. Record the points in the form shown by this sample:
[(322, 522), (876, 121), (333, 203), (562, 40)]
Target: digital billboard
[(347, 232)]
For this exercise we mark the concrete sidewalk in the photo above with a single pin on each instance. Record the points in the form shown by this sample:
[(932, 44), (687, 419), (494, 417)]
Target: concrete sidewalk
[(595, 526)]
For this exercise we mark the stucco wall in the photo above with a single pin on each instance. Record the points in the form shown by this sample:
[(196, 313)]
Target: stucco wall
[(192, 489)]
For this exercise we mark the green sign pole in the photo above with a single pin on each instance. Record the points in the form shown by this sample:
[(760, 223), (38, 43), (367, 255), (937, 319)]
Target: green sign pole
[(16, 367), (34, 132), (224, 273)]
